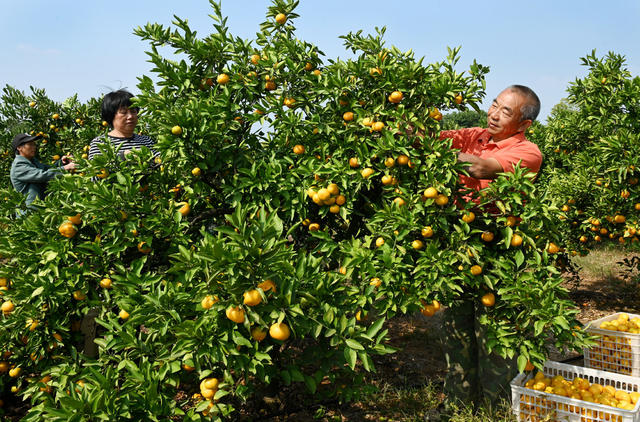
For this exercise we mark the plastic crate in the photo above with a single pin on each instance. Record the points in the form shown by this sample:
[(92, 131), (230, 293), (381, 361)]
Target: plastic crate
[(615, 351), (532, 405)]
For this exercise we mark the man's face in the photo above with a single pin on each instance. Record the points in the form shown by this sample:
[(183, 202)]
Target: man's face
[(125, 120), (28, 150), (504, 116)]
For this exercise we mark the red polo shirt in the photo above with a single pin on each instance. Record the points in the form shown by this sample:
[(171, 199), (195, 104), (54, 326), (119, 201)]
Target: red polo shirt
[(508, 152)]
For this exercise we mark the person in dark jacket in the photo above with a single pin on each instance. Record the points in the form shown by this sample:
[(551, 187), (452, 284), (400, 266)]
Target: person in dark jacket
[(28, 175)]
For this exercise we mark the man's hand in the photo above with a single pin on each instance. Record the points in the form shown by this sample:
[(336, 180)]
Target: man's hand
[(66, 159), (481, 168), (70, 166)]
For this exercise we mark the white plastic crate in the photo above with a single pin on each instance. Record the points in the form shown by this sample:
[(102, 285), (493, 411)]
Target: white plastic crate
[(537, 406), (615, 351)]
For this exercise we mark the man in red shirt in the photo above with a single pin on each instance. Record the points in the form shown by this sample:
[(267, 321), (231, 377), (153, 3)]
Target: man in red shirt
[(473, 374), (500, 146)]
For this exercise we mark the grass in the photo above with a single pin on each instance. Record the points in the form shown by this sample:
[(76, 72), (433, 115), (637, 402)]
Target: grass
[(409, 404), (601, 263)]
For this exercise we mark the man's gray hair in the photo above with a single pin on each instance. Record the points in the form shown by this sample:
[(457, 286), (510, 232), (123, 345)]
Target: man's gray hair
[(531, 107)]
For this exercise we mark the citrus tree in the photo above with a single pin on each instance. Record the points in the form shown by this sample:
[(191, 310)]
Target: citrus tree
[(65, 127), (592, 142), (296, 204)]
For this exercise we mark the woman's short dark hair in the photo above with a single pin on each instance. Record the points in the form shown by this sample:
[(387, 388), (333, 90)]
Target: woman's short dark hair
[(112, 102)]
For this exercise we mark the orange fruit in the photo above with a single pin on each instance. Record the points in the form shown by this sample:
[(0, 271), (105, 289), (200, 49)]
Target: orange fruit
[(334, 209), (553, 248), (427, 231), (375, 282), (619, 219), (367, 121), (333, 189), (379, 241), (442, 200), (267, 285), (375, 71), (353, 162), (281, 18), (399, 201), (402, 160), (258, 333), (176, 130), (15, 372), (144, 248), (430, 192), (366, 172), (389, 162), (7, 307), (298, 149), (387, 179), (458, 99), (476, 270), (428, 311), (252, 297), (511, 221), (488, 299), (323, 194), (468, 217), (516, 240), (222, 79), (123, 314), (67, 229), (487, 236), (340, 200), (208, 301), (529, 367), (255, 58), (377, 126), (76, 219), (348, 116), (417, 244), (79, 295), (270, 85), (235, 314), (105, 283), (196, 172), (185, 209), (279, 331), (395, 97), (314, 227)]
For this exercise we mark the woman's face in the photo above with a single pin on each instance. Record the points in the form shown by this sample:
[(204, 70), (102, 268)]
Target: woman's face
[(125, 120)]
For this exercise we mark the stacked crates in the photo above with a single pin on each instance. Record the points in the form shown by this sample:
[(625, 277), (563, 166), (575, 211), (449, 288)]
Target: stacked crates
[(618, 345), (532, 400)]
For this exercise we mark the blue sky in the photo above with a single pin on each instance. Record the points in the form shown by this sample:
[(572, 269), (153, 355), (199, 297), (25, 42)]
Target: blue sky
[(88, 48)]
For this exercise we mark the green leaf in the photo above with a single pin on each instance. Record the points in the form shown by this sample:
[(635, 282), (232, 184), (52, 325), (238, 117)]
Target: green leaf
[(353, 344)]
